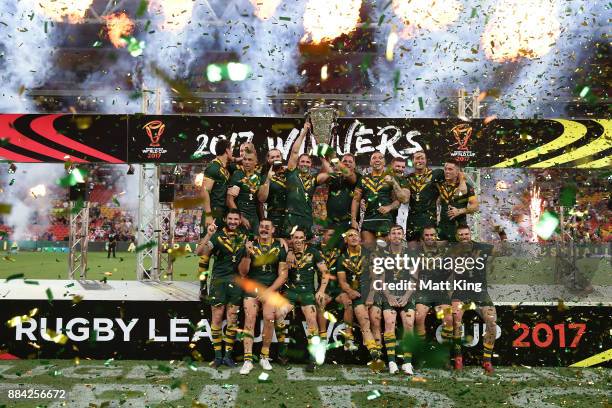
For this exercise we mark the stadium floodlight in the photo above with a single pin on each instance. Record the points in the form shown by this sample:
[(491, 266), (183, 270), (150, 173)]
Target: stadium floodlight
[(214, 73)]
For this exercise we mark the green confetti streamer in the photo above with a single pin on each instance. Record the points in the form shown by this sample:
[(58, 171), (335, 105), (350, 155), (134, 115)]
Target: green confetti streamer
[(97, 44), (285, 18), (148, 245), (31, 282), (15, 276), (421, 104), (49, 295), (142, 8), (381, 19), (474, 12)]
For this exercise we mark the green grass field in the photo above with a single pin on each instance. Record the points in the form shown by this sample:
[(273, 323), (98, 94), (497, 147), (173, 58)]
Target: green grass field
[(46, 265), (176, 384)]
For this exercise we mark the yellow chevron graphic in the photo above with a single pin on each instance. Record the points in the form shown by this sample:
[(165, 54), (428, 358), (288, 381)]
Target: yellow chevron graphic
[(597, 164), (603, 142), (593, 360), (572, 131)]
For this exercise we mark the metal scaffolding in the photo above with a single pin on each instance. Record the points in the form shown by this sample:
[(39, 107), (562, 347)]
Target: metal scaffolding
[(147, 266), (468, 105), (165, 240), (78, 239)]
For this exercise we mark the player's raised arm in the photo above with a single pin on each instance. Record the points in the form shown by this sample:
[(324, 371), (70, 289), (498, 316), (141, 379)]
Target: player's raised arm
[(295, 149)]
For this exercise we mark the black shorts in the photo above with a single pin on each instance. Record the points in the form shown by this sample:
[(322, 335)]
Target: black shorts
[(432, 298)]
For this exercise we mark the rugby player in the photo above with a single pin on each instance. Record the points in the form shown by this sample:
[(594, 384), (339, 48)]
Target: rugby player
[(265, 263), (397, 301), (213, 193), (398, 165), (422, 184), (214, 186), (301, 185), (224, 294), (341, 184), (273, 191), (353, 269), (382, 194), (248, 180), (484, 306), (330, 251), (457, 198), (302, 261), (433, 252)]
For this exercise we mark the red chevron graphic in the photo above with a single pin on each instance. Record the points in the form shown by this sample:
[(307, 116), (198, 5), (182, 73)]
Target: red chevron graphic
[(17, 139), (44, 127), (8, 155)]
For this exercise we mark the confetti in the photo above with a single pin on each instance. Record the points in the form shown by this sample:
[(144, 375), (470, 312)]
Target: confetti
[(372, 395), (15, 276), (5, 208)]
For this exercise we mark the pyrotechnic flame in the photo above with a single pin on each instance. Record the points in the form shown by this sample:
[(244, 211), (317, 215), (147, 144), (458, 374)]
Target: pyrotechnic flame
[(57, 10), (38, 191), (177, 13), (118, 25), (535, 210), (255, 288), (265, 9), (426, 14), (521, 28), (325, 20), (391, 42)]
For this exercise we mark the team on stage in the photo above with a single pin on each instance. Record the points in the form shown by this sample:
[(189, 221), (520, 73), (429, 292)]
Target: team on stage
[(259, 251)]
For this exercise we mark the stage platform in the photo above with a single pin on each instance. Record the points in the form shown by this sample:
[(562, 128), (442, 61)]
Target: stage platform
[(502, 294)]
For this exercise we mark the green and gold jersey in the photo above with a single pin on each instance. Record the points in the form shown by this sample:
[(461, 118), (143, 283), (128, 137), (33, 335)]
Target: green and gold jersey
[(246, 201), (300, 191), (432, 265), (377, 193), (340, 197), (220, 175), (228, 249), (302, 272), (277, 199), (264, 263), (356, 267), (450, 196), (330, 256), (423, 195)]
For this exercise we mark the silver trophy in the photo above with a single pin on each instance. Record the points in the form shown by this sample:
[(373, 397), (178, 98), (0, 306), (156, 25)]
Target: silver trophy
[(323, 120)]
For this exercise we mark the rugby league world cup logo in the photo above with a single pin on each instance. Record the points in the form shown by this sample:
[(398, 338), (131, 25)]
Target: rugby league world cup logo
[(462, 134), (155, 129)]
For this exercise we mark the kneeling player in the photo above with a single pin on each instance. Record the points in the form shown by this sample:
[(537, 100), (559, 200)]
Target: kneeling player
[(302, 260), (264, 262), (225, 295), (330, 252), (353, 269), (397, 301), (468, 280)]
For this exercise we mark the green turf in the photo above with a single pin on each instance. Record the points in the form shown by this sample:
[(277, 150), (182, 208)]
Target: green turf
[(45, 265), (470, 388)]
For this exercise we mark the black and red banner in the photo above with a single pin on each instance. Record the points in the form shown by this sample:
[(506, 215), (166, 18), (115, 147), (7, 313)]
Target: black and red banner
[(526, 335), (191, 139)]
